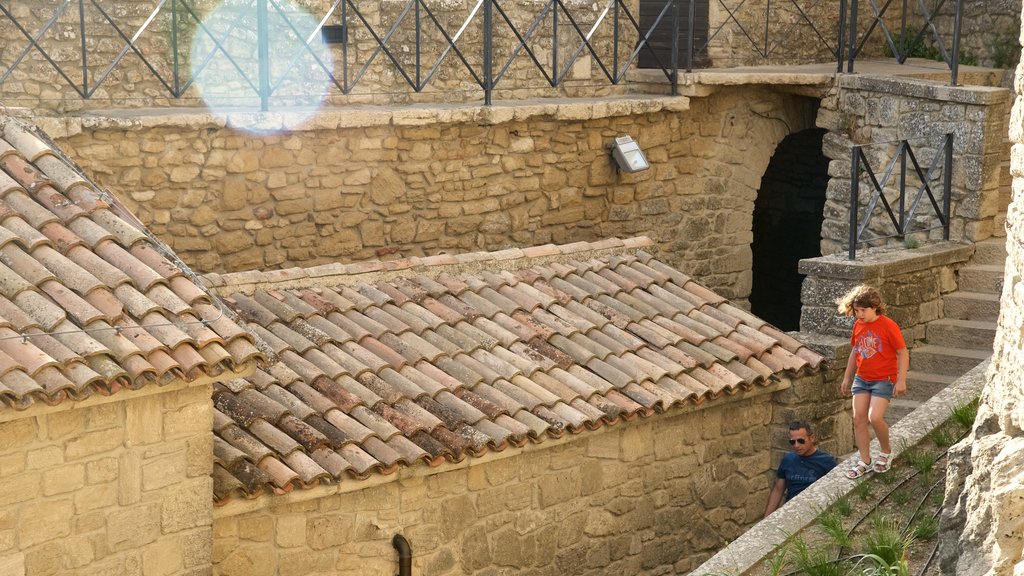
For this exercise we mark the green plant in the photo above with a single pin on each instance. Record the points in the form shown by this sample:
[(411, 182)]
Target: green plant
[(925, 528), (885, 540), (842, 505), (937, 497), (779, 561), (831, 523), (863, 490), (877, 566), (900, 497), (965, 413), (943, 437), (910, 243), (816, 561)]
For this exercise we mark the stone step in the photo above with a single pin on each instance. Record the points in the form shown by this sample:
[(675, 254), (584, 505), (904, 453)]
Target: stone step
[(898, 408), (990, 251), (985, 278), (978, 335), (964, 305), (947, 360), (923, 385)]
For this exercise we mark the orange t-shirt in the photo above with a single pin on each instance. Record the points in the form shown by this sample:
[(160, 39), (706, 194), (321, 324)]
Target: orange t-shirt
[(875, 344)]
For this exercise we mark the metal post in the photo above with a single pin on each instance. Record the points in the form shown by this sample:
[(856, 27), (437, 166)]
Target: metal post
[(615, 41), (904, 40), (689, 44), (854, 193), (174, 49), (488, 57), (947, 183), (417, 16), (85, 58), (841, 43), (903, 187), (263, 42), (344, 47), (554, 42), (767, 15), (675, 47), (954, 66), (852, 48)]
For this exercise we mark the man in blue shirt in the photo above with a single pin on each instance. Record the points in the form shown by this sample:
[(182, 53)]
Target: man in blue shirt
[(801, 467)]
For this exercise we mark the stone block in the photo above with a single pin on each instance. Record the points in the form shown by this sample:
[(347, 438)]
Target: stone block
[(163, 471), (163, 557), (556, 488), (186, 505), (189, 420), (133, 527), (43, 521), (17, 434), (63, 479), (250, 560)]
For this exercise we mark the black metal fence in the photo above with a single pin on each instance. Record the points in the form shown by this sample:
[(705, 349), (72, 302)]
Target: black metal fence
[(81, 44), (903, 215)]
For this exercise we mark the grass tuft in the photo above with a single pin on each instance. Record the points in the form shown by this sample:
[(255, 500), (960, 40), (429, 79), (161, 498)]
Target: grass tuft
[(964, 414), (885, 540), (831, 523), (925, 528), (816, 561)]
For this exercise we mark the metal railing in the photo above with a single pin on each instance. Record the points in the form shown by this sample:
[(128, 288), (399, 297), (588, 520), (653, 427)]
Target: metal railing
[(903, 216), (565, 36), (911, 37), (493, 41)]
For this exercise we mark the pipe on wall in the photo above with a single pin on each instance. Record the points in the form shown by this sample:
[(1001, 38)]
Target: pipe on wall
[(404, 555)]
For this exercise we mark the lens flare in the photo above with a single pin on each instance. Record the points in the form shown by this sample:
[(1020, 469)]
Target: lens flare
[(260, 65)]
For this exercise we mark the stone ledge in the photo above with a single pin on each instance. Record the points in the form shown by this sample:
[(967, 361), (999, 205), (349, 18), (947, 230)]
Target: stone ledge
[(750, 549), (925, 89), (883, 262), (331, 118)]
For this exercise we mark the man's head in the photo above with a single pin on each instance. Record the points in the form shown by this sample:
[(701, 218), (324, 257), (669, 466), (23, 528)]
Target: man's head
[(801, 437)]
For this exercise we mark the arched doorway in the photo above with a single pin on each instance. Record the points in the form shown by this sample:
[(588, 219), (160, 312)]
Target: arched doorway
[(788, 214)]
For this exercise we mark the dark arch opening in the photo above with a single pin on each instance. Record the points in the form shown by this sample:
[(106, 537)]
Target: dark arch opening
[(788, 214)]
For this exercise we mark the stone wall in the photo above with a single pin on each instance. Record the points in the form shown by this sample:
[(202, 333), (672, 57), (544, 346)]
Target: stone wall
[(652, 496), (743, 32), (983, 529), (912, 283), (419, 181), (878, 111), (116, 487)]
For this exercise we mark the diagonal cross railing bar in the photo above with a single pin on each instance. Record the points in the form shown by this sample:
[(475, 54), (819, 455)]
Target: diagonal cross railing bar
[(130, 44), (218, 46), (805, 18), (645, 42), (33, 42), (902, 218), (523, 39), (301, 50), (909, 36)]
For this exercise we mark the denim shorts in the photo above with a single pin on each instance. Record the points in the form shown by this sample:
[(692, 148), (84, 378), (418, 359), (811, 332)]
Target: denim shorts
[(878, 388)]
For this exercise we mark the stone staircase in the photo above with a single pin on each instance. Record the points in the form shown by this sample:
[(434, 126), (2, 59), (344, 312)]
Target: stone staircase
[(963, 338)]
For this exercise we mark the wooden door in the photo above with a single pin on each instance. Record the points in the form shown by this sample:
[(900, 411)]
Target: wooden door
[(661, 37)]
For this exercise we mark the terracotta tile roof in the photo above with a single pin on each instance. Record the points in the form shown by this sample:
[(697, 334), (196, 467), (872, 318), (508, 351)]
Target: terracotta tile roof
[(430, 360), (89, 303)]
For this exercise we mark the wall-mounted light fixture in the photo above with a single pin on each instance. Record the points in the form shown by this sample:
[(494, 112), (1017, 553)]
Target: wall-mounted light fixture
[(628, 155)]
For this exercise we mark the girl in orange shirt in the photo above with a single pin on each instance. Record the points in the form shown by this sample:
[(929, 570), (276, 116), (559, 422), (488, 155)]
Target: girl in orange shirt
[(875, 373)]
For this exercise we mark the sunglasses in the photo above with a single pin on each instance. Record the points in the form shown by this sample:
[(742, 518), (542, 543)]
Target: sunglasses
[(800, 441)]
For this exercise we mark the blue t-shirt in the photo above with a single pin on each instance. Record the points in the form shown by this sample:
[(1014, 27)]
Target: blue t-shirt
[(799, 472)]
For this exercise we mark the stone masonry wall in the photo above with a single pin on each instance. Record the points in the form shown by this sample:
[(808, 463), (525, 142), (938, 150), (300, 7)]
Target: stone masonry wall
[(384, 185), (879, 111), (988, 517), (653, 496), (118, 488), (742, 32), (912, 283)]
